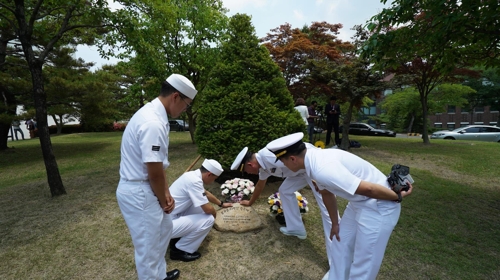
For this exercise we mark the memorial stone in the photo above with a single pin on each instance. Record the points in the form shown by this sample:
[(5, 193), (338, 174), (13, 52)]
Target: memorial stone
[(237, 219)]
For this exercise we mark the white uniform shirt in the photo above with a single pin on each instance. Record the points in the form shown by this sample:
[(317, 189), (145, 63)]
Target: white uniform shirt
[(340, 172), (145, 139), (188, 192), (304, 112), (270, 167)]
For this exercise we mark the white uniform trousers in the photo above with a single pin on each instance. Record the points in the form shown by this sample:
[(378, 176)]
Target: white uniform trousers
[(192, 227), (149, 226), (364, 234), (292, 212)]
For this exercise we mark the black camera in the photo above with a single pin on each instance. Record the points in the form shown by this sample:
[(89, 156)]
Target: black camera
[(400, 178)]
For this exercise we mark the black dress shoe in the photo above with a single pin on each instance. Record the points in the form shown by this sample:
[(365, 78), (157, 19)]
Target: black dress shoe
[(172, 275), (176, 254), (173, 241)]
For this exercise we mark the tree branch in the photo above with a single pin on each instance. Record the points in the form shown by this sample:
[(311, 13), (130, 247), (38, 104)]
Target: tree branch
[(59, 34), (33, 18)]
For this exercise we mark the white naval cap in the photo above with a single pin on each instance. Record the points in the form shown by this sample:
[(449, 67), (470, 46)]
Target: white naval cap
[(183, 85), (212, 166), (285, 144), (241, 159)]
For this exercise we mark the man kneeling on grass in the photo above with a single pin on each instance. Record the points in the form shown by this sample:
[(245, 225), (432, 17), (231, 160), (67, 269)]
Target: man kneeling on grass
[(193, 216)]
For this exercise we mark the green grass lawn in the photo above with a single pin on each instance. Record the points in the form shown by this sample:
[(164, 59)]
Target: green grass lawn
[(449, 228)]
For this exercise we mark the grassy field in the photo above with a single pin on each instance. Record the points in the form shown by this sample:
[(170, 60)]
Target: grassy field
[(449, 228)]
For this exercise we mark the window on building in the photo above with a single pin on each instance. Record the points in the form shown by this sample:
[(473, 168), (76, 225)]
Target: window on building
[(369, 111), (465, 117), (464, 110), (451, 109), (451, 118), (438, 125), (479, 109), (438, 117), (493, 123), (462, 124), (450, 126), (479, 117)]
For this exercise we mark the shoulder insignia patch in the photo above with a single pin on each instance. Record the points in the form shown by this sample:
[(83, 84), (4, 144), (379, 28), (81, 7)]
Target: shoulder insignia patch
[(204, 194), (156, 148)]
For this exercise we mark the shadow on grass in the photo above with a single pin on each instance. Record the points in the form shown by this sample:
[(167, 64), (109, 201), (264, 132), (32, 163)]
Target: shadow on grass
[(30, 154)]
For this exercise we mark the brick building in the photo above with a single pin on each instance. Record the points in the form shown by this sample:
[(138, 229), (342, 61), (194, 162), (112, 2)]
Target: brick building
[(456, 117)]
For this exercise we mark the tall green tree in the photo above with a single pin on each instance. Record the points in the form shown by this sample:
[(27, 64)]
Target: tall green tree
[(40, 26), (177, 36), (9, 71), (64, 84), (454, 32), (247, 102)]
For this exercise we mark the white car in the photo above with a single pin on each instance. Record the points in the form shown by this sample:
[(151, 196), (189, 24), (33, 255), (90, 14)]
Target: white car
[(472, 132)]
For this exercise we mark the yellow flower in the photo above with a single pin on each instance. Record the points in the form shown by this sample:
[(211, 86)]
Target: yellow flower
[(299, 197), (271, 201), (320, 144), (300, 205), (279, 211)]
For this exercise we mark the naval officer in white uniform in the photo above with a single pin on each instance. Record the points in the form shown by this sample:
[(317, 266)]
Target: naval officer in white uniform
[(193, 216), (264, 164), (142, 193), (371, 214)]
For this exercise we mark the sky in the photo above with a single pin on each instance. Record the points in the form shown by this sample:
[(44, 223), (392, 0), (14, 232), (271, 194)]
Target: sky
[(269, 14)]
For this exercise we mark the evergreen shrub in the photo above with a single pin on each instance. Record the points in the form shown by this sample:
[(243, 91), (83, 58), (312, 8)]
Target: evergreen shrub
[(247, 102)]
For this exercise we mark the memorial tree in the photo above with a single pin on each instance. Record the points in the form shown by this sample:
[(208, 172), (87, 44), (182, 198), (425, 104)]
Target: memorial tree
[(246, 102)]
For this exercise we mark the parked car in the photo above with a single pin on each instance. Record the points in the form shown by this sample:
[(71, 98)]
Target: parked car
[(471, 132), (178, 125), (366, 129)]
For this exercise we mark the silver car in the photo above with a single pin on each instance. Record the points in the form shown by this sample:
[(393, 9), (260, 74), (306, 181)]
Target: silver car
[(472, 132)]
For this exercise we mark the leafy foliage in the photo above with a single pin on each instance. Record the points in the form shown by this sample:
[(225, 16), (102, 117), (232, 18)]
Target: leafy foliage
[(453, 32), (165, 37), (246, 102), (403, 109), (293, 49)]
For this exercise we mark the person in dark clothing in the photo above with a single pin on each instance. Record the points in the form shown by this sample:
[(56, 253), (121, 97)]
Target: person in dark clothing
[(332, 112), (310, 121)]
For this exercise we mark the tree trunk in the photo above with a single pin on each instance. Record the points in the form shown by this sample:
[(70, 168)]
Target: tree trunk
[(410, 125), (9, 104), (191, 122), (346, 143), (53, 176), (59, 125), (35, 66), (425, 133)]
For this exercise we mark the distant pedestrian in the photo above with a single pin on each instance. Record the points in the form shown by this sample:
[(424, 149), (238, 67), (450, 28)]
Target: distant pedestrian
[(300, 106), (311, 120), (16, 125), (332, 112), (30, 126)]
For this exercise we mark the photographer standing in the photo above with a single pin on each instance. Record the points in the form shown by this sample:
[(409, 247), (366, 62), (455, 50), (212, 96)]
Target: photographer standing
[(332, 112)]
